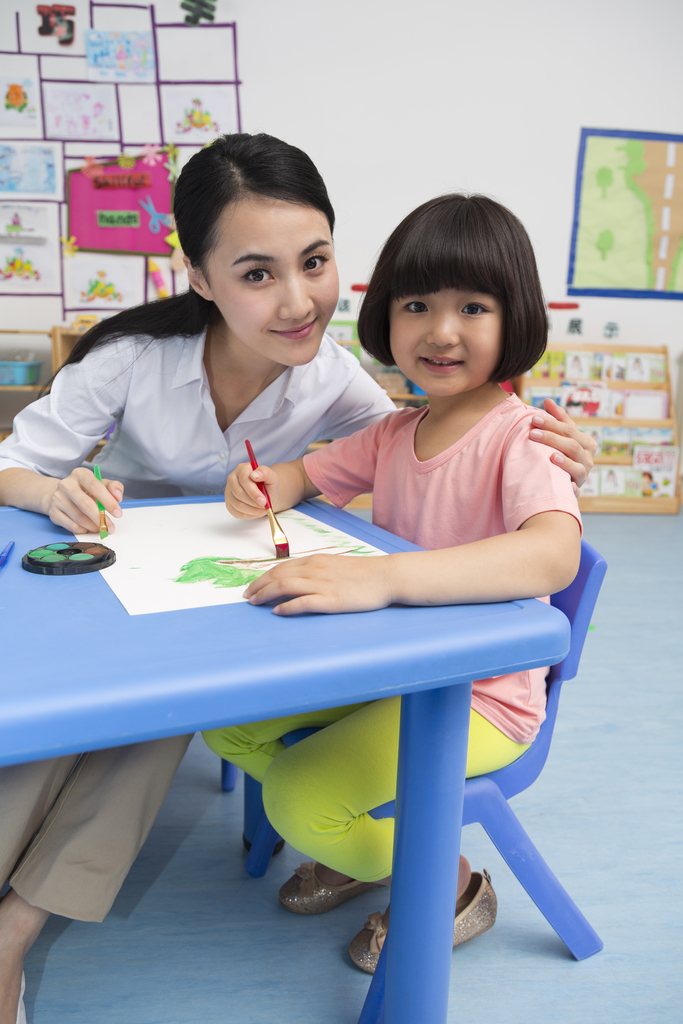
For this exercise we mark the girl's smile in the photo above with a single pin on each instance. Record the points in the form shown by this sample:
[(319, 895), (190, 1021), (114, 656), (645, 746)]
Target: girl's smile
[(448, 342)]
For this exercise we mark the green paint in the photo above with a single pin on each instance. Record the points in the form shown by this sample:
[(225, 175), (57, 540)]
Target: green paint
[(53, 557), (81, 557), (604, 178), (673, 285), (635, 150), (605, 242), (39, 552), (220, 572), (57, 547)]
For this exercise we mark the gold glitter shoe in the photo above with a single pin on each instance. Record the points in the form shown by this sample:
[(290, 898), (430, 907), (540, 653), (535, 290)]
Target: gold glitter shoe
[(304, 893), (475, 914)]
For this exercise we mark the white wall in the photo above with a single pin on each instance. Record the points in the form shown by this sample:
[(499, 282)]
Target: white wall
[(398, 101)]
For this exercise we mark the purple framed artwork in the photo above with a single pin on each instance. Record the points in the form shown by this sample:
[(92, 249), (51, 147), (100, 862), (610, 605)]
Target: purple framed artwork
[(121, 209)]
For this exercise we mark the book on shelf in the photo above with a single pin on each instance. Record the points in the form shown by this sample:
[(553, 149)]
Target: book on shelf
[(615, 441), (586, 365)]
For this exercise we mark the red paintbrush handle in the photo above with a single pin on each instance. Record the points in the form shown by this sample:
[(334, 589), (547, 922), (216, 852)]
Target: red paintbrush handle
[(254, 465)]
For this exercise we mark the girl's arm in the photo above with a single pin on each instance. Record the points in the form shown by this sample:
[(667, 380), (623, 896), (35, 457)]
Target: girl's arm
[(71, 502), (287, 483), (540, 558)]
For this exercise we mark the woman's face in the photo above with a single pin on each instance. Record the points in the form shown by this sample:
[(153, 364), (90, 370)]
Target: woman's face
[(273, 277)]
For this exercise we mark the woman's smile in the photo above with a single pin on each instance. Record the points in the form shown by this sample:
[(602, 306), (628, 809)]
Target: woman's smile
[(297, 332)]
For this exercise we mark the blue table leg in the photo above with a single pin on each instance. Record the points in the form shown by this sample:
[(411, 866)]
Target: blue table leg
[(429, 800)]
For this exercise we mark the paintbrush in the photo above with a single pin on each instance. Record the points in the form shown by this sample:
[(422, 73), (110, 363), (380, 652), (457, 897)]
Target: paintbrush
[(104, 530), (279, 540)]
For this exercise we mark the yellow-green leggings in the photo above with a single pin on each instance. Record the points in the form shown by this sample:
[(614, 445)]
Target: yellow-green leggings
[(317, 794)]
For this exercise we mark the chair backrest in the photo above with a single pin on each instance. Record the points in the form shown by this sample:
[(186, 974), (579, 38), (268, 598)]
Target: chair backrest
[(577, 601)]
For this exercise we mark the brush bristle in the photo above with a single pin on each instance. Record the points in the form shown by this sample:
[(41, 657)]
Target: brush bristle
[(103, 534)]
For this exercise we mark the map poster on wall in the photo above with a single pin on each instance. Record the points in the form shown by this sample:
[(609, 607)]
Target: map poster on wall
[(29, 249), (121, 209), (627, 237), (103, 281)]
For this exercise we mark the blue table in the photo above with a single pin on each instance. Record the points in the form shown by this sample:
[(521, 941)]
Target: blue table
[(177, 672)]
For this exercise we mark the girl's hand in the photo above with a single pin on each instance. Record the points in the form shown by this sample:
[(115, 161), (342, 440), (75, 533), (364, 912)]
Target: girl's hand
[(243, 497), (575, 450), (73, 503), (324, 583)]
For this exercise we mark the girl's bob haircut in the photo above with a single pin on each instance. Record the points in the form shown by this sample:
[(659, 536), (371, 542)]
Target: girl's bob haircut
[(472, 244)]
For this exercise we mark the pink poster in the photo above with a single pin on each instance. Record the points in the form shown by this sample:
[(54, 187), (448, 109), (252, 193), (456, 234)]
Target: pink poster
[(121, 209)]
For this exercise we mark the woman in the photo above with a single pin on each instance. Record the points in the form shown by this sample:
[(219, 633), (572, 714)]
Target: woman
[(186, 379)]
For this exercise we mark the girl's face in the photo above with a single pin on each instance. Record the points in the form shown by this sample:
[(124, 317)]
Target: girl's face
[(273, 277), (447, 342)]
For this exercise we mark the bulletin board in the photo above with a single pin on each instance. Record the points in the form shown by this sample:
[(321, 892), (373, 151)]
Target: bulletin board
[(101, 105)]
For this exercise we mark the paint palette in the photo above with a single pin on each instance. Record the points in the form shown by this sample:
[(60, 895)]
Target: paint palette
[(64, 559)]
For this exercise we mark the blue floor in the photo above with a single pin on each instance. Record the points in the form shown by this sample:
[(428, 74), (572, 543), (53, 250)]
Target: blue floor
[(193, 940)]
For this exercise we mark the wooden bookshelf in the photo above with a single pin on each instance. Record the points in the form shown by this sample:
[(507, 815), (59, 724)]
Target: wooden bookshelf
[(20, 387), (616, 503), (63, 341)]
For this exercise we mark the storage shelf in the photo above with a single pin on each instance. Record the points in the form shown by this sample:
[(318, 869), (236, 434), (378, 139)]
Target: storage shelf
[(613, 385), (20, 387), (651, 506)]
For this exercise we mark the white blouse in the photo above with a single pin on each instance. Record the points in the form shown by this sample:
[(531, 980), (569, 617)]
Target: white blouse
[(167, 441)]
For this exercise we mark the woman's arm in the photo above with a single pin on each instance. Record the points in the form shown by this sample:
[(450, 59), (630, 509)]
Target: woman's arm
[(71, 502), (540, 558), (575, 450)]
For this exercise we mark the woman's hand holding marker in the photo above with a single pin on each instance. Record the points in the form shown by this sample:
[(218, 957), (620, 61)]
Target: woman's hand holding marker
[(73, 501)]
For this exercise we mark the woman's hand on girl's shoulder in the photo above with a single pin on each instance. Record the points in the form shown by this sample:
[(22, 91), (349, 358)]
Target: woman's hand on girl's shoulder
[(73, 503), (575, 450), (323, 584)]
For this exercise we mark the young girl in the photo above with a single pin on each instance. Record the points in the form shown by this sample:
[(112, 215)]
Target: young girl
[(455, 302)]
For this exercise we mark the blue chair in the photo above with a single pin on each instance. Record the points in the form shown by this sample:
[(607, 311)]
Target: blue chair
[(486, 796)]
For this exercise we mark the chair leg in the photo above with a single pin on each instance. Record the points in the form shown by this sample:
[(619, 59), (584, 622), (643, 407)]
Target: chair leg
[(373, 1007), (533, 873), (253, 809), (262, 848), (228, 776)]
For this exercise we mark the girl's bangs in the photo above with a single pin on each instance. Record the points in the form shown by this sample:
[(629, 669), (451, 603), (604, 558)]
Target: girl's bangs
[(447, 248)]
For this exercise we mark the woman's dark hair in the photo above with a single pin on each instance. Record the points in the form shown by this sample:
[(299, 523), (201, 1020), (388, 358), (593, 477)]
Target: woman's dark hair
[(470, 243), (231, 168)]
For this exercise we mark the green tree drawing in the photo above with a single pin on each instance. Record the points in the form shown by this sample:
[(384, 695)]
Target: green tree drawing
[(605, 242), (604, 178)]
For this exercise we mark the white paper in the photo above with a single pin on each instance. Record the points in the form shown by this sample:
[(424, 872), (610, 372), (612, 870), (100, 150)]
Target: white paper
[(198, 113), (29, 248), (19, 97), (80, 111), (103, 281), (31, 170), (120, 56), (159, 546)]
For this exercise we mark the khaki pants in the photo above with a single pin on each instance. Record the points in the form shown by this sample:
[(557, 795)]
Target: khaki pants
[(71, 827)]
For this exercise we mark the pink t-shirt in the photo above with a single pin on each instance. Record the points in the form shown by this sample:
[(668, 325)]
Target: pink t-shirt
[(493, 479)]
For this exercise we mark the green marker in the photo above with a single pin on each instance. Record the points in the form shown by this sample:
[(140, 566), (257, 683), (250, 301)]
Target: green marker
[(104, 532)]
